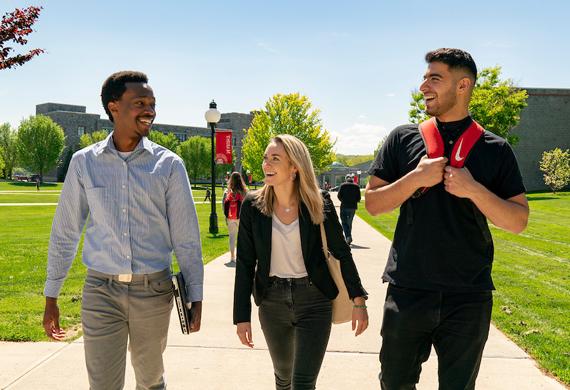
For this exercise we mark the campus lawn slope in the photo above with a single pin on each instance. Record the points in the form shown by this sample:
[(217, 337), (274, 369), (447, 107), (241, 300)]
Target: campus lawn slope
[(531, 272)]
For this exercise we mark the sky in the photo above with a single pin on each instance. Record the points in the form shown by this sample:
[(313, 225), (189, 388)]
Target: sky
[(357, 61)]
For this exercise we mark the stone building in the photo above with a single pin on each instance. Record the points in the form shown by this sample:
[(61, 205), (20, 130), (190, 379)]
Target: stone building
[(544, 125), (75, 122)]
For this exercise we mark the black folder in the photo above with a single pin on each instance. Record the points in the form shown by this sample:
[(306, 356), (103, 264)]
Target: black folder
[(181, 301)]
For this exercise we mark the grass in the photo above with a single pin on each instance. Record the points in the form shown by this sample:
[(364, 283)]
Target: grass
[(531, 272), (24, 238), (24, 186)]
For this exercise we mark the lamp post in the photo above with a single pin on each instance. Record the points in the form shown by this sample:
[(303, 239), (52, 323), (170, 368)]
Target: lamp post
[(213, 117)]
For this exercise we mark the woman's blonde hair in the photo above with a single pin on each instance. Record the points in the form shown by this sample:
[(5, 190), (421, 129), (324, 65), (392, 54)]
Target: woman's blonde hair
[(305, 182)]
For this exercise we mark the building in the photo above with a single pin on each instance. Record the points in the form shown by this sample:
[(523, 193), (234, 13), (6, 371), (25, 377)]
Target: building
[(544, 125), (76, 121)]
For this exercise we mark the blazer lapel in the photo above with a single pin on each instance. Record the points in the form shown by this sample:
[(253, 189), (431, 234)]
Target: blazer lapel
[(305, 229), (265, 226)]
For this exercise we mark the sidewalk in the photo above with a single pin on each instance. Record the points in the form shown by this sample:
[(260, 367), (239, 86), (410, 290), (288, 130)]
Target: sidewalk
[(214, 359)]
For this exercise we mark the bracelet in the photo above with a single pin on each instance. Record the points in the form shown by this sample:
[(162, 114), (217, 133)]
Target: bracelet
[(359, 306)]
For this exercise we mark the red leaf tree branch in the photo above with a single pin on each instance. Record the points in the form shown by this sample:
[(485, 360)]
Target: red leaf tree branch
[(15, 27)]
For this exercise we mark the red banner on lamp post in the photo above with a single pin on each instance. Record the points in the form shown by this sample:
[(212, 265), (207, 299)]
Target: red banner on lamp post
[(223, 146)]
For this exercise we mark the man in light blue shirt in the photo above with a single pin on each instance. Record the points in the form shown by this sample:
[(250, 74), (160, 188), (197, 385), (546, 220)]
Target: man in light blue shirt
[(140, 207)]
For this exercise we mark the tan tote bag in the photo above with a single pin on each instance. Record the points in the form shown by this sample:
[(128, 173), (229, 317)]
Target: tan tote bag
[(341, 305)]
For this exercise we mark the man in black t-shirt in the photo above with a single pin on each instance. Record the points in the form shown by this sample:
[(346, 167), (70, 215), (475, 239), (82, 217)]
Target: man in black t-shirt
[(439, 266), (349, 196)]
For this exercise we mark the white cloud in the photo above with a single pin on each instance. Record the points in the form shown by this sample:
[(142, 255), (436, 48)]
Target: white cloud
[(359, 138), (267, 48)]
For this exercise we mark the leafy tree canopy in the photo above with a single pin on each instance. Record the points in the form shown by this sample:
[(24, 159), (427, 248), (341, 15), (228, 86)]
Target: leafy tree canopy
[(286, 114), (15, 27), (169, 141), (555, 164), (40, 143), (8, 149), (92, 138)]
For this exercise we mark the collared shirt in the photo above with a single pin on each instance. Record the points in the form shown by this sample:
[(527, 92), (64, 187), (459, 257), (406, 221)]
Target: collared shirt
[(140, 210)]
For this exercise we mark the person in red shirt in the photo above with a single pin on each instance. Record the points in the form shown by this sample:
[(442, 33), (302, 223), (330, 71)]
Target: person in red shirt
[(233, 197)]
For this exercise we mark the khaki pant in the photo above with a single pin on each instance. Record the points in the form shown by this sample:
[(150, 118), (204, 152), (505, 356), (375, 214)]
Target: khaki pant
[(113, 312), (233, 227)]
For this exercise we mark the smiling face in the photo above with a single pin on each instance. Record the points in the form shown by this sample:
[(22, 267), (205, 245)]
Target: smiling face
[(276, 165), (134, 112), (446, 92)]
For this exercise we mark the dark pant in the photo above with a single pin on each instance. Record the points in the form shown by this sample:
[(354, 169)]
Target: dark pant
[(456, 324), (346, 217), (295, 318)]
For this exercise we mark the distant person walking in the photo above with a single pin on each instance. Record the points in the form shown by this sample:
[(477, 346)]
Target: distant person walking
[(37, 183), (232, 200), (281, 261), (208, 192), (349, 196)]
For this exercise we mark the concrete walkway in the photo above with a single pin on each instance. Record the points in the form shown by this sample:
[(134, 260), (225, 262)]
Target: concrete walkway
[(214, 359)]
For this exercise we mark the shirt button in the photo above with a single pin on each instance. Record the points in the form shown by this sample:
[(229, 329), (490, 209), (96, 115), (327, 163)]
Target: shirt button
[(125, 234), (128, 256), (450, 142), (124, 186), (124, 164), (124, 210)]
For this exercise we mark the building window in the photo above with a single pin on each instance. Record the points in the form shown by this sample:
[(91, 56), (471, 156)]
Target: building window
[(235, 141), (80, 131)]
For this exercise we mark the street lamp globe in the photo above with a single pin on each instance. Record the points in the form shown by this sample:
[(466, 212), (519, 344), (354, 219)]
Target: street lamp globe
[(213, 115)]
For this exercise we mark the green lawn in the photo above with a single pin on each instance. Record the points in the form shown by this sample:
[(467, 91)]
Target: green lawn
[(24, 236), (24, 186), (532, 276)]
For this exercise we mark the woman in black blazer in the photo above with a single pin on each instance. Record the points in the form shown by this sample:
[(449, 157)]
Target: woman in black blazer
[(280, 260)]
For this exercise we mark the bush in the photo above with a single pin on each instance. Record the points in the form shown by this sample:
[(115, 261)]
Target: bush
[(555, 164)]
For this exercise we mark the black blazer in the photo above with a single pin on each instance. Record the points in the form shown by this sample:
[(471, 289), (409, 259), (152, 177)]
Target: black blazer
[(254, 256)]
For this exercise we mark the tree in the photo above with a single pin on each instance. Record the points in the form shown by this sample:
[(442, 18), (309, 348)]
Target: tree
[(195, 152), (496, 104), (555, 164), (1, 160), (286, 114), (15, 27), (40, 143), (8, 149), (92, 138), (169, 141)]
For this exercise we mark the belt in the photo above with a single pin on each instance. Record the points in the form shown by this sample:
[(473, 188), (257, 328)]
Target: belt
[(304, 281), (131, 278)]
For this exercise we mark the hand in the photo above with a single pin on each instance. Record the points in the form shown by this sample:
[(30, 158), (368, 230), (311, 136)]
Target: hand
[(359, 316), (430, 171), (195, 316), (51, 320), (459, 182), (244, 334)]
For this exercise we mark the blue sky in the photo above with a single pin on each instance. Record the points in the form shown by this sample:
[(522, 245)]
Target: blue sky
[(357, 61)]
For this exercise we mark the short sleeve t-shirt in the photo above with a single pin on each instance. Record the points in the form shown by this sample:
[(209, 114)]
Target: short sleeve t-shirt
[(442, 242)]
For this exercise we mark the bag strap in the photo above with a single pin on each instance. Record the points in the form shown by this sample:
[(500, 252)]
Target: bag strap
[(435, 148), (324, 239)]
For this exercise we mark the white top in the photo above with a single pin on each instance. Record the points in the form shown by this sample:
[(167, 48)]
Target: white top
[(286, 254)]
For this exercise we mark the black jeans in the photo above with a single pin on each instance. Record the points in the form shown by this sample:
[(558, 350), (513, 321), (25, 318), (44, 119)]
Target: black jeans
[(295, 318), (456, 324), (346, 217)]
